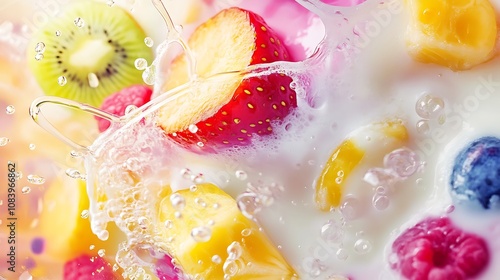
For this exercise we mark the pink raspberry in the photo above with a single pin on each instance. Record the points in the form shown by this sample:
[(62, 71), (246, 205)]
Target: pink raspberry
[(435, 249), (116, 103), (86, 267)]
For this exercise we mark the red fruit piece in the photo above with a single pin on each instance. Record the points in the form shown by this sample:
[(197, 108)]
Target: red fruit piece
[(435, 249), (232, 112), (86, 267), (165, 270), (116, 103)]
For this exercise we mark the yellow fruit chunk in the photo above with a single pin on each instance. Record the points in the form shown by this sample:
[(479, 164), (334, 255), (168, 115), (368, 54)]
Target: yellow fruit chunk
[(67, 234), (369, 141), (458, 34), (212, 238)]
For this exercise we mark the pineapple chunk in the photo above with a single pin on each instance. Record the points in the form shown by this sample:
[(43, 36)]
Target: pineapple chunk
[(456, 34), (212, 239), (383, 137)]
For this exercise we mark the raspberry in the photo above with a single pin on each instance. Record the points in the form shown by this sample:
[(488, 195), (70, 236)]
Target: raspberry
[(86, 267), (435, 249), (116, 103), (476, 173)]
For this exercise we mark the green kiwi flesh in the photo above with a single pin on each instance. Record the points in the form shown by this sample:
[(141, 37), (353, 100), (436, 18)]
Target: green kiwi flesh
[(105, 47)]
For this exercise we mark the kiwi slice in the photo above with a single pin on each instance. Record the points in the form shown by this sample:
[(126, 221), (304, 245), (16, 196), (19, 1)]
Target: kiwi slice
[(88, 52)]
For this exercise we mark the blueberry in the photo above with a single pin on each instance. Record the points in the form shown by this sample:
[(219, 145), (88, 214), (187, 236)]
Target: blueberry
[(476, 173)]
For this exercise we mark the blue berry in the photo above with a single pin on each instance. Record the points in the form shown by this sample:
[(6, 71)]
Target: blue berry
[(476, 173)]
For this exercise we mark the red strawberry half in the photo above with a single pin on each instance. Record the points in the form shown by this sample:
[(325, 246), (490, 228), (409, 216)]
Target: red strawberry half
[(437, 250), (86, 267), (228, 113)]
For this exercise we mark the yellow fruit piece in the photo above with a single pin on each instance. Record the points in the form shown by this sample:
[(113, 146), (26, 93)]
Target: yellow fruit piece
[(458, 34), (370, 141), (211, 226), (67, 234)]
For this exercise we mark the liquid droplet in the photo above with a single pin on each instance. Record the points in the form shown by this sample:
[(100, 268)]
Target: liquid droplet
[(101, 252), (380, 177), (316, 268), (141, 64), (4, 141), (216, 259), (103, 235), (193, 128), (73, 173), (58, 33), (178, 201), (32, 146), (79, 22), (230, 268), (93, 80), (91, 247), (342, 254), (129, 109), (110, 2), (38, 56), (423, 127), (429, 107), (10, 110), (403, 161), (380, 202), (148, 41), (40, 47), (84, 214), (249, 204), (35, 179), (26, 190), (350, 209), (246, 232), (242, 175), (234, 251), (201, 234), (62, 80), (200, 144), (362, 246), (332, 232), (148, 76)]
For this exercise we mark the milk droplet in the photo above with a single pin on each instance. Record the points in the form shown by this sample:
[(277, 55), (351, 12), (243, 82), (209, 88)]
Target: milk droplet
[(234, 251), (186, 173), (4, 141), (92, 247), (101, 252), (149, 42), (332, 232), (423, 127), (249, 204), (193, 128), (197, 179), (38, 56), (26, 190), (40, 47), (230, 268), (32, 146), (362, 246), (178, 201), (342, 254), (403, 161), (84, 214), (201, 234), (93, 80), (141, 63), (216, 259), (240, 174), (129, 109), (103, 235), (62, 80), (380, 202), (380, 177), (79, 22), (10, 110), (429, 107), (73, 173), (350, 208), (58, 33), (193, 188), (35, 179), (149, 75)]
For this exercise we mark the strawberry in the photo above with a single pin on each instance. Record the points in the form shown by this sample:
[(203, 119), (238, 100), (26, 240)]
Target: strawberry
[(221, 115), (118, 102), (87, 267)]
